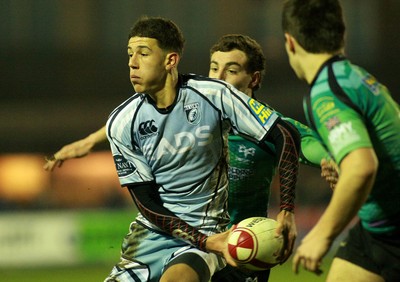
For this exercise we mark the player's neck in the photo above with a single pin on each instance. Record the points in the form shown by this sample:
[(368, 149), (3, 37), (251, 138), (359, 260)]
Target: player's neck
[(165, 97), (312, 64)]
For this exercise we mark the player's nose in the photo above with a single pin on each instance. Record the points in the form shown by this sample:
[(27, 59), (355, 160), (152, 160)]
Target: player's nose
[(218, 75), (133, 63)]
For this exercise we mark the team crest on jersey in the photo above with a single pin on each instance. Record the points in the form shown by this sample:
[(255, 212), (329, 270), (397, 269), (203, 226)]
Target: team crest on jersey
[(262, 112), (123, 166), (192, 113)]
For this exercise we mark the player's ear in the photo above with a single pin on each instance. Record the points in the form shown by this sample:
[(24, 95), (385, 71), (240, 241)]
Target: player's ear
[(290, 43), (172, 60), (255, 79)]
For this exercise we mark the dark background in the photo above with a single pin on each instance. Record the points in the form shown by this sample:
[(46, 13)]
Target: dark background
[(63, 63)]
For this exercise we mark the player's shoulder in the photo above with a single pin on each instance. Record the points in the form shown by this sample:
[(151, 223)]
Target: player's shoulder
[(129, 105), (201, 82), (132, 101)]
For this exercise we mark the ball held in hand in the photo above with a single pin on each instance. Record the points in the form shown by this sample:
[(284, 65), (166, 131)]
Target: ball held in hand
[(253, 245)]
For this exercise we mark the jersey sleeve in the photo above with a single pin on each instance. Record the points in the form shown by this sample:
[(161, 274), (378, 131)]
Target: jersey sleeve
[(130, 163), (249, 117), (312, 151), (341, 128)]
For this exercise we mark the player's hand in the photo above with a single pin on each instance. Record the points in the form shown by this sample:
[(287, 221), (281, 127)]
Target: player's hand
[(218, 244), (286, 228), (76, 149), (330, 172), (310, 252)]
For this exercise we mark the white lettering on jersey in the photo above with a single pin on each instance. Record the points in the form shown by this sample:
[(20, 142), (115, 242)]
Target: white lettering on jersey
[(203, 133), (342, 135), (184, 141)]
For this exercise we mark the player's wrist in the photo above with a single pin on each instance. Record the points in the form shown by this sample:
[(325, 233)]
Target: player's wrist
[(287, 208)]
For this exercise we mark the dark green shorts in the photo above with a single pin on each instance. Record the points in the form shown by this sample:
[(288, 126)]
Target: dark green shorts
[(379, 254)]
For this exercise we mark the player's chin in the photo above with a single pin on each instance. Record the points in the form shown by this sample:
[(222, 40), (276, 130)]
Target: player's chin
[(138, 87)]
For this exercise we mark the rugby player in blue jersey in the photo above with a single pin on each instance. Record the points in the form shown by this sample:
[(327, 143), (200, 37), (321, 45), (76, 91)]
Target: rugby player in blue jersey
[(239, 60), (359, 122), (169, 142)]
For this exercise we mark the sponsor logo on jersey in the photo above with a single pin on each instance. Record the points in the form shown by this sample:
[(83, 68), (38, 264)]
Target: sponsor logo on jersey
[(246, 151), (371, 83), (184, 141), (342, 135), (332, 122), (237, 173), (192, 113), (124, 167), (147, 129), (262, 112), (324, 106)]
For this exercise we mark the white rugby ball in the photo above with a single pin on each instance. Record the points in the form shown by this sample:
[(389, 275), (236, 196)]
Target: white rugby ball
[(253, 245)]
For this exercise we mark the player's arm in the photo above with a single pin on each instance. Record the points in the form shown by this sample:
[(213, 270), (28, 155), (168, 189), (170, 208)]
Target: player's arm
[(287, 142), (150, 205), (76, 149), (312, 151), (357, 174)]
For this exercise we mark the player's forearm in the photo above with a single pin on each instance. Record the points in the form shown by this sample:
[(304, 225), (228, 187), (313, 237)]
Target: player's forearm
[(151, 207), (288, 165), (98, 137), (357, 176)]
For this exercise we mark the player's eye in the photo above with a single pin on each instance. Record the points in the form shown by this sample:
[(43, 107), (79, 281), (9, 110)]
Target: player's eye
[(213, 69), (230, 71)]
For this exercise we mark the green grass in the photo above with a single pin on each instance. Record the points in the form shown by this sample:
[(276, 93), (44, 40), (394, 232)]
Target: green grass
[(284, 273), (92, 273), (96, 273)]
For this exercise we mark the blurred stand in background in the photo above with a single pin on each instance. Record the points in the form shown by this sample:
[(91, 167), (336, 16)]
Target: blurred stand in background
[(78, 214)]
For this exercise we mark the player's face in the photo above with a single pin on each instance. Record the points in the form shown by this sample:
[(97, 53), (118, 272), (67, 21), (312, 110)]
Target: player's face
[(230, 67), (147, 70)]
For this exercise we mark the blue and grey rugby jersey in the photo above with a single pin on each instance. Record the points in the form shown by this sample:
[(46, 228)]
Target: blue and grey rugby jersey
[(184, 149)]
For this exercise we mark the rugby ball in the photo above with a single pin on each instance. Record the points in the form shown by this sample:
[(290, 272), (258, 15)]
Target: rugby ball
[(253, 245)]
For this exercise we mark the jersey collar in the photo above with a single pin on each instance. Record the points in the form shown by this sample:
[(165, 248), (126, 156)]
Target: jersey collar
[(333, 59)]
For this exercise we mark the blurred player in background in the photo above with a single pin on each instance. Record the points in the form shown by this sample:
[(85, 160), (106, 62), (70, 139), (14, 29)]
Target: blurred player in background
[(184, 212), (359, 122)]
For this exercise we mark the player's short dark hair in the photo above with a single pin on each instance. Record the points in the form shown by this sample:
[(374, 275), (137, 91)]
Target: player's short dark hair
[(246, 44), (166, 32), (317, 25)]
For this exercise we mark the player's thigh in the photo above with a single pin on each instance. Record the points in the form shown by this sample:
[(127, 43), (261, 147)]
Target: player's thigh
[(191, 264), (342, 271), (180, 272)]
